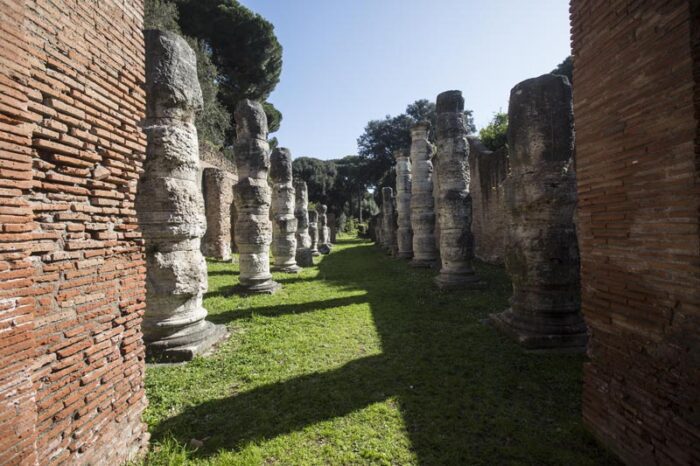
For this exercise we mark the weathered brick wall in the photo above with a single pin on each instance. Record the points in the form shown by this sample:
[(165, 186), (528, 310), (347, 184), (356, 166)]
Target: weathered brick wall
[(488, 170), (639, 203), (71, 259)]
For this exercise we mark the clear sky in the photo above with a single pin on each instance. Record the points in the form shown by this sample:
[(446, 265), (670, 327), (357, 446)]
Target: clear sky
[(350, 61)]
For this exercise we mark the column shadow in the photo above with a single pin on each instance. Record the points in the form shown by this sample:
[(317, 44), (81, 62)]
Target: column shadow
[(467, 395)]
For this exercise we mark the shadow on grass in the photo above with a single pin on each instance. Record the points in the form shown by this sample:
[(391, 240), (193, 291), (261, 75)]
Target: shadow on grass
[(467, 395), (278, 310)]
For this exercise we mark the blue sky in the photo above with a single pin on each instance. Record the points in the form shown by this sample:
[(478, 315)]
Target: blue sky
[(350, 61)]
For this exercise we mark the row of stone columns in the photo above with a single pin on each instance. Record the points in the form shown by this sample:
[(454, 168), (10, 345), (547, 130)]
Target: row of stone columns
[(433, 202), (171, 212)]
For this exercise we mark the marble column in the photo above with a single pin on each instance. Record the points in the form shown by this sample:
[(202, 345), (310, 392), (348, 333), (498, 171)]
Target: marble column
[(252, 197), (454, 202), (313, 232), (323, 230), (217, 187), (404, 233), (284, 223), (422, 200), (170, 207), (541, 249)]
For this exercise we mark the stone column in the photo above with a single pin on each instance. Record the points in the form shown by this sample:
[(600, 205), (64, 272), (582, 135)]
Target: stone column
[(454, 203), (304, 253), (313, 232), (332, 228), (252, 196), (389, 220), (170, 206), (541, 251), (284, 243), (217, 187), (323, 231), (404, 233), (422, 201)]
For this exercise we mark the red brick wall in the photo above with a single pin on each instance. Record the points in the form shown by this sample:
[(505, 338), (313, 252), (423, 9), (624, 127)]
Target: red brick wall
[(71, 262), (639, 211)]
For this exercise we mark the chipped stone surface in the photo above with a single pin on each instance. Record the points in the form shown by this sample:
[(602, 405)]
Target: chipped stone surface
[(313, 231), (425, 252), (252, 198), (542, 256), (170, 206), (284, 223), (454, 205), (389, 226), (301, 212), (323, 230), (404, 232), (217, 187)]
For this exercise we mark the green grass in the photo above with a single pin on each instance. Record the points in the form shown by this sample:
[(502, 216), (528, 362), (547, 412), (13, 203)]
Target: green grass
[(361, 360)]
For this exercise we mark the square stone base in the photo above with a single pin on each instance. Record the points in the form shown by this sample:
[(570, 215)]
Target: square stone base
[(215, 333)]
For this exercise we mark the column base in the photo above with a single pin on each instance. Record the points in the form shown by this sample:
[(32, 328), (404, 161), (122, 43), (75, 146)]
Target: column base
[(287, 269), (450, 281), (267, 287), (304, 258), (530, 339), (324, 249), (404, 255), (165, 351), (423, 264)]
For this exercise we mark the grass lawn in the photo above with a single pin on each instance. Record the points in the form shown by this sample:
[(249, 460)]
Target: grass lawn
[(361, 360)]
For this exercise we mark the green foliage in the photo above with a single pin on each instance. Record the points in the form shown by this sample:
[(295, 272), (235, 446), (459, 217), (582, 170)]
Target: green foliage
[(274, 117), (243, 47), (381, 138), (359, 360), (566, 68), (161, 15), (495, 134), (318, 174), (213, 121)]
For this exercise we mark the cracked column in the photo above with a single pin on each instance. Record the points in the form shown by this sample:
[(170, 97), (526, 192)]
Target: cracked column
[(284, 226), (454, 203), (541, 250), (170, 206), (422, 201), (404, 233), (301, 212), (313, 232), (389, 221), (218, 195), (323, 230), (252, 197)]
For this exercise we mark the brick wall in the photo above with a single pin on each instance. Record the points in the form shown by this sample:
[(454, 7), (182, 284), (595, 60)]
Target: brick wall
[(639, 203), (71, 262), (488, 170)]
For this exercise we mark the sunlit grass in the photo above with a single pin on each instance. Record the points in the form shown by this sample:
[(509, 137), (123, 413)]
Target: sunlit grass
[(361, 360)]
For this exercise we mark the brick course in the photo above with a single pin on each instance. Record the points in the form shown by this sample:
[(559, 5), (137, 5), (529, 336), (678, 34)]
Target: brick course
[(636, 101), (71, 258)]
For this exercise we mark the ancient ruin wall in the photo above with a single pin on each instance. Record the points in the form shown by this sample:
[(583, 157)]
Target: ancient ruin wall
[(636, 102), (71, 257), (488, 171)]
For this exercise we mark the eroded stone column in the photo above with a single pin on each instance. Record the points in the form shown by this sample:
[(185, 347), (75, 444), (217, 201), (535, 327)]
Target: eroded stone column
[(284, 226), (422, 201), (252, 197), (332, 228), (323, 230), (454, 203), (389, 221), (301, 212), (170, 206), (541, 251), (217, 186), (404, 233), (313, 232)]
